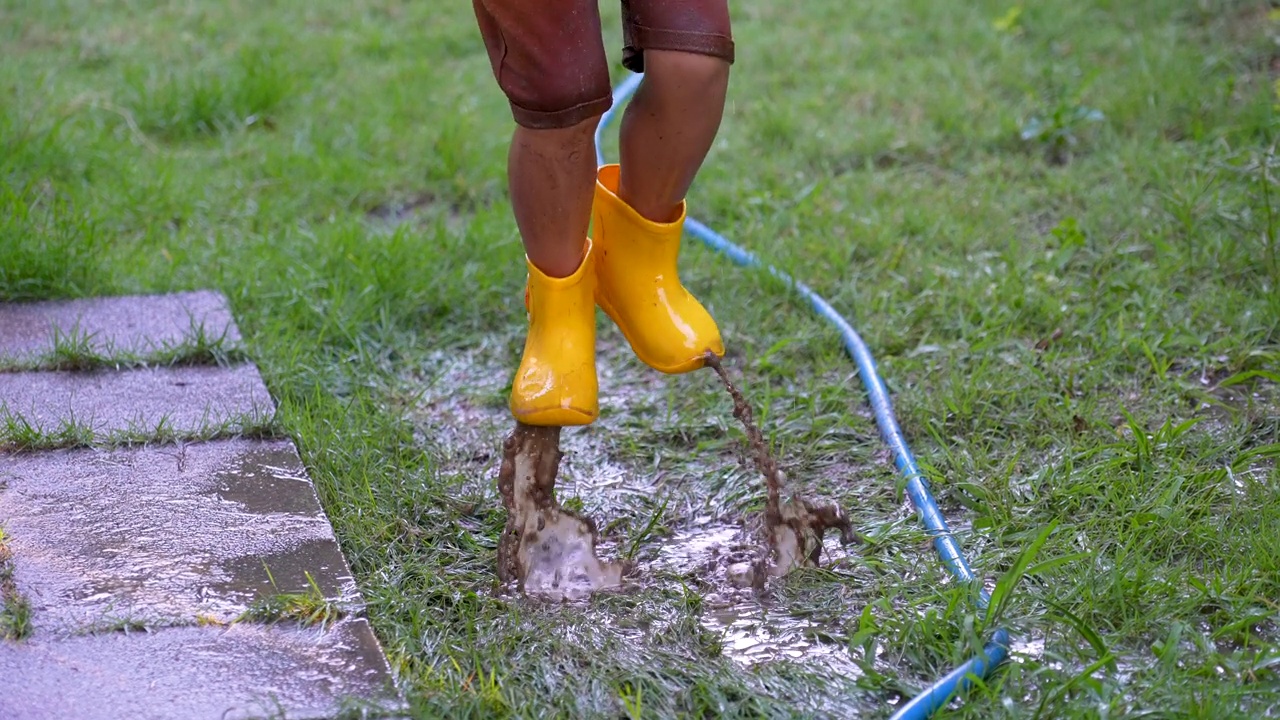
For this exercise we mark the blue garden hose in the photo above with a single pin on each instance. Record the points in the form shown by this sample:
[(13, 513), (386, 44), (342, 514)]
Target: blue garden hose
[(995, 652)]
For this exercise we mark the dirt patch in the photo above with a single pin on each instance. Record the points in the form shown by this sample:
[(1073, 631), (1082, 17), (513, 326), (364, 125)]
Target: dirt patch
[(394, 212), (426, 206)]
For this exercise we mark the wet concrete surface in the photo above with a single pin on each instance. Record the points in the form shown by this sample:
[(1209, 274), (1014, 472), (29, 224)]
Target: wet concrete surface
[(139, 562), (186, 399), (137, 323), (163, 535), (195, 673)]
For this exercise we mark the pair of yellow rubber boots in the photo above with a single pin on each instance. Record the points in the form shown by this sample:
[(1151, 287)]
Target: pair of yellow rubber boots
[(630, 272)]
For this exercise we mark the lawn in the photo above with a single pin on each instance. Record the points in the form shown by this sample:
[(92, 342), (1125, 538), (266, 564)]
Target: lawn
[(1053, 223)]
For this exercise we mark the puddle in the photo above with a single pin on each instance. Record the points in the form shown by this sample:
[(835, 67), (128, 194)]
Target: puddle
[(701, 550), (688, 495), (249, 578), (1024, 648), (794, 530), (266, 481), (753, 634), (462, 416), (234, 673)]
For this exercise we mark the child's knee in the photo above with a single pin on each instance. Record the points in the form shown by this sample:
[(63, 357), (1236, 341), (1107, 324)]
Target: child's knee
[(706, 73)]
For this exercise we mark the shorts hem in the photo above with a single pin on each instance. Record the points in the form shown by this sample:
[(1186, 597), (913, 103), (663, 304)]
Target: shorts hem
[(557, 119), (646, 38)]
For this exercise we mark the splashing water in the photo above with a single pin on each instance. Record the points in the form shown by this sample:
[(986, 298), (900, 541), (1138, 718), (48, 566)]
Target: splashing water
[(548, 551), (794, 529)]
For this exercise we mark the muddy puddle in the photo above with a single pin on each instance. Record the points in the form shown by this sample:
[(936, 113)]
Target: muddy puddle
[(794, 529), (753, 629), (674, 513), (754, 634)]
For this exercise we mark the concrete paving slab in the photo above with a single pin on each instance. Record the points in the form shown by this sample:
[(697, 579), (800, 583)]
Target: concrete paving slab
[(164, 535), (134, 323), (187, 398), (195, 673)]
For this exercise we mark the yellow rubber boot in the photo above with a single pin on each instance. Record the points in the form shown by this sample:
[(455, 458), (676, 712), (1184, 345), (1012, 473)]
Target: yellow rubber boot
[(556, 381), (638, 287)]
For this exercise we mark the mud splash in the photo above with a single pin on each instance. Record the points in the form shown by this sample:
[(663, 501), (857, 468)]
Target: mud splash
[(793, 530), (548, 551)]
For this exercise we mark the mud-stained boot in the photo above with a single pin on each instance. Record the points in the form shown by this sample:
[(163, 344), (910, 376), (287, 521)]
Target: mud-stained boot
[(638, 286), (556, 381)]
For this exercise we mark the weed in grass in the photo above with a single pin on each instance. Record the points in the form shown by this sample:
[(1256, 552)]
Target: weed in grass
[(1061, 120), (15, 611), (123, 625), (253, 425), (74, 350), (18, 434), (198, 346), (15, 617), (310, 608)]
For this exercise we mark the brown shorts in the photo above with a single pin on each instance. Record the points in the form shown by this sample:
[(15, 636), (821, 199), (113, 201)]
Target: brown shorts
[(549, 57)]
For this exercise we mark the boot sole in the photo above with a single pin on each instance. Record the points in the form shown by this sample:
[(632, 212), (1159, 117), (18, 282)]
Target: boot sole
[(556, 416)]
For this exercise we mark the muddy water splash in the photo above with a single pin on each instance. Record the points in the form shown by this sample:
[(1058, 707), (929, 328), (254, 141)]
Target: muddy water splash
[(793, 529), (550, 552)]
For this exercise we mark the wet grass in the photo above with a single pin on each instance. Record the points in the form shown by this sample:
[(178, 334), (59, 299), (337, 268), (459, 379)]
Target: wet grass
[(19, 434), (1077, 314)]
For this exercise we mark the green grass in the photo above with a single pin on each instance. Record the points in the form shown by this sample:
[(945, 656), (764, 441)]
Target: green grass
[(1077, 313), (19, 434), (15, 611), (75, 350)]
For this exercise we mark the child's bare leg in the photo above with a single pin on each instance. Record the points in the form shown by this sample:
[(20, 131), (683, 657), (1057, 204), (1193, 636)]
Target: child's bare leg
[(552, 174), (668, 129)]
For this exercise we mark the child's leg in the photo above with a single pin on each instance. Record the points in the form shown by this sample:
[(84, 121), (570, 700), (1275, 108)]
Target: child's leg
[(668, 129), (552, 174), (684, 48), (548, 57)]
